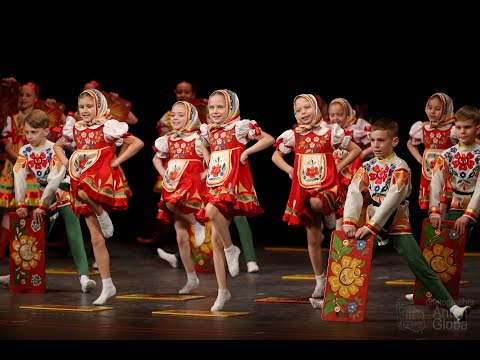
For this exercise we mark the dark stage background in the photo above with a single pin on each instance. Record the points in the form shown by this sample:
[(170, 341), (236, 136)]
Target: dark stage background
[(391, 86)]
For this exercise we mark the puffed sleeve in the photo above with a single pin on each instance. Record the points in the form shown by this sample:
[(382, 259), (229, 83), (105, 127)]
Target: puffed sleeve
[(416, 133), (67, 132), (198, 145), (339, 140), (246, 130), (361, 132), (204, 135), (285, 143), (114, 130), (161, 147)]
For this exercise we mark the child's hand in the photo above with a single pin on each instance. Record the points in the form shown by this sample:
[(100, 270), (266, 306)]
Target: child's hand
[(38, 215), (461, 224), (22, 213), (243, 158), (362, 233), (114, 163), (203, 175), (436, 221), (290, 172), (349, 230)]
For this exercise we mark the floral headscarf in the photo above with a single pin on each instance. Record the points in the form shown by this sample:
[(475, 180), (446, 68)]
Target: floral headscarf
[(448, 115), (102, 111), (192, 124), (318, 114), (351, 114)]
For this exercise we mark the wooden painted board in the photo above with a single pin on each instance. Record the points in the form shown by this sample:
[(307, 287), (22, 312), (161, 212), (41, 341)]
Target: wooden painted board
[(443, 250), (283, 300), (348, 275), (200, 313), (66, 308), (27, 255), (160, 297)]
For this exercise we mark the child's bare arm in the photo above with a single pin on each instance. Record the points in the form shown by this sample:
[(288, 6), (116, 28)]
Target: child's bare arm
[(134, 145), (278, 160), (414, 151), (264, 140), (60, 152), (158, 164), (353, 152)]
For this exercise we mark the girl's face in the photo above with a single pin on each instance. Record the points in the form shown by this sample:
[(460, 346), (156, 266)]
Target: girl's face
[(26, 98), (466, 131), (184, 92), (434, 109), (35, 136), (86, 108), (337, 114), (178, 116), (217, 109), (304, 111)]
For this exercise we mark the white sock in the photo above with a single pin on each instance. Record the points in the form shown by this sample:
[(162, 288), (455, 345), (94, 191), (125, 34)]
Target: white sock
[(223, 296), (87, 283), (460, 313), (320, 287), (105, 224), (192, 283), (170, 258), (409, 297), (231, 255), (108, 290), (316, 303), (252, 266), (199, 231), (5, 280)]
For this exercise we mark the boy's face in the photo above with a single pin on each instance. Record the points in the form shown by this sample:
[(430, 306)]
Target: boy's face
[(382, 143), (217, 109), (466, 131), (178, 116), (35, 136)]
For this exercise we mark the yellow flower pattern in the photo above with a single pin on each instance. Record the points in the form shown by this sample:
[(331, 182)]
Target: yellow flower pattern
[(347, 277), (441, 261), (25, 252)]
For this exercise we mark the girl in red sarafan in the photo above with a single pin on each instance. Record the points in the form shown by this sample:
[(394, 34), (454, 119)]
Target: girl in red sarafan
[(316, 190), (179, 161)]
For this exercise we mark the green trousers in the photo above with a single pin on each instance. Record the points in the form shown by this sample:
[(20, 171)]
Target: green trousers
[(74, 237), (408, 249)]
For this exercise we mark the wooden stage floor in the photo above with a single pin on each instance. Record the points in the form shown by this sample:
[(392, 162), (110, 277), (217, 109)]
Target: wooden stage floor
[(136, 269)]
